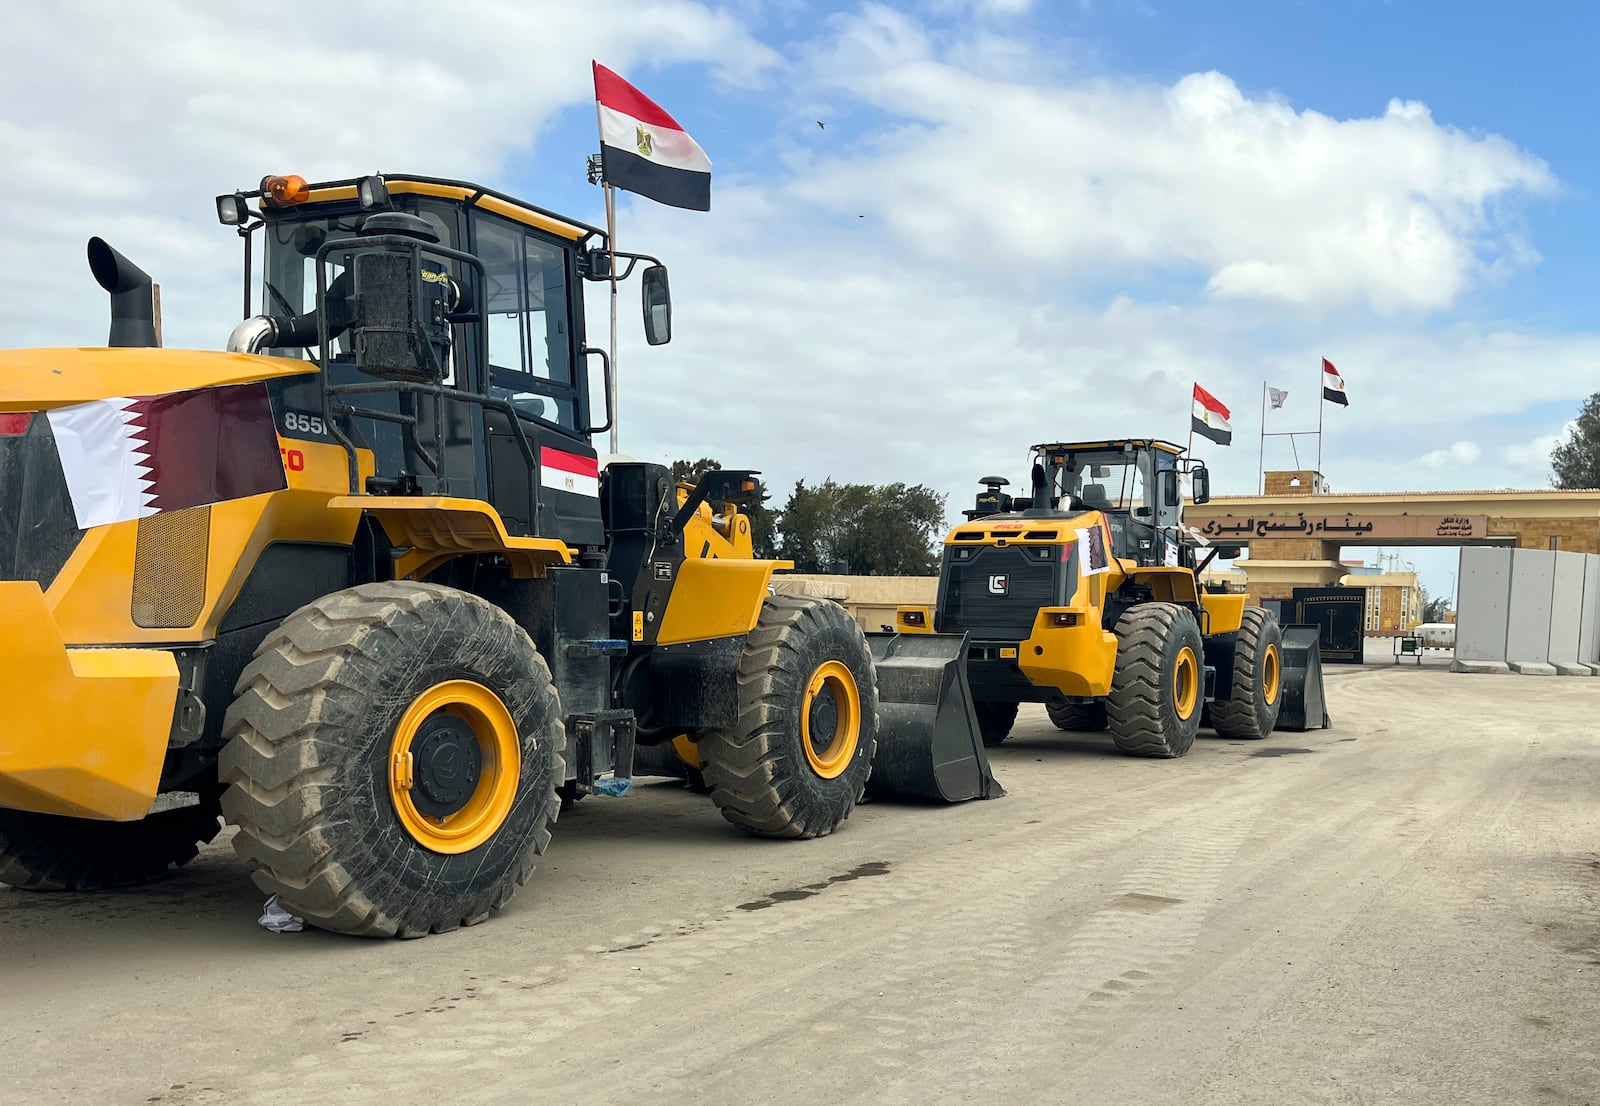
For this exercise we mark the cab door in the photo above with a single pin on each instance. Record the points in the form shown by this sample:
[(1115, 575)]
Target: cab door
[(534, 308)]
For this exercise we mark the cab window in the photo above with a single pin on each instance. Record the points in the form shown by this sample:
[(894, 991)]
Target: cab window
[(530, 339)]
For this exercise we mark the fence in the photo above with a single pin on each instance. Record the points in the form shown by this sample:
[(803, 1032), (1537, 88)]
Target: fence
[(1528, 610)]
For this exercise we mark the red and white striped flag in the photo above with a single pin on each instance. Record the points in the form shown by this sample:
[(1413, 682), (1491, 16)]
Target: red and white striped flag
[(1209, 418), (643, 150), (569, 472), (1333, 385), (131, 457)]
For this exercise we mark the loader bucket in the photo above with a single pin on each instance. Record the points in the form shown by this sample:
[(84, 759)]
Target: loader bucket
[(1305, 707), (928, 742)]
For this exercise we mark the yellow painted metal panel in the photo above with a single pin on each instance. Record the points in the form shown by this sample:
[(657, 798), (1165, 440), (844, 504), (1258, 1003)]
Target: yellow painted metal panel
[(86, 729), (436, 528), (1225, 613), (715, 598), (42, 379), (1168, 585), (1075, 660)]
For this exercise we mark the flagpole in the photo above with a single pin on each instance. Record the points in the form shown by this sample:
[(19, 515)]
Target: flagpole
[(1321, 404), (611, 245), (1189, 452), (1261, 457)]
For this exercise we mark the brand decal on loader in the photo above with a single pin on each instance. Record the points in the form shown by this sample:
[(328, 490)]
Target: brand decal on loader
[(997, 585)]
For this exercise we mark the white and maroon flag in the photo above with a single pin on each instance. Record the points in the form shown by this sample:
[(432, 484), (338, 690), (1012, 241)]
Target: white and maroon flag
[(131, 457), (1210, 418), (643, 150), (1333, 385)]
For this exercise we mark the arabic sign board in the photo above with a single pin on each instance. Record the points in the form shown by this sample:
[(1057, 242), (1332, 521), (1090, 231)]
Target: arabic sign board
[(1347, 527)]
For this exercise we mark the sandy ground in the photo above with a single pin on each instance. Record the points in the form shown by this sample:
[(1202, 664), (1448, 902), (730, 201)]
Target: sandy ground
[(1402, 909)]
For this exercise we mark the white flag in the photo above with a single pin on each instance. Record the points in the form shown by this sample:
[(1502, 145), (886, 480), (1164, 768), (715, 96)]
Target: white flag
[(1276, 396)]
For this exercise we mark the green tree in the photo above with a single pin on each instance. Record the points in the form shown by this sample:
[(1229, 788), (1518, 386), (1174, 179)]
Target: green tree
[(763, 521), (1575, 461), (1434, 607), (862, 529)]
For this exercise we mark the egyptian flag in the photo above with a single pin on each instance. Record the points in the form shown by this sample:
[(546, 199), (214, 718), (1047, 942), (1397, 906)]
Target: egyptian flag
[(643, 150), (569, 472), (1210, 418), (1333, 385), (129, 458)]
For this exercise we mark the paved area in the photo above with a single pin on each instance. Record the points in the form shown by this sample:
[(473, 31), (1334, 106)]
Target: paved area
[(1402, 909)]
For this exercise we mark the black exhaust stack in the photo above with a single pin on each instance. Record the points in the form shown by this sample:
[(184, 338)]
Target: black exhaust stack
[(133, 296)]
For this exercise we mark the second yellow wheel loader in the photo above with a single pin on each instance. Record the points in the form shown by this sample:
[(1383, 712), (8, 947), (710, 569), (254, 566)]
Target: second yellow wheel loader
[(1084, 595), (360, 586)]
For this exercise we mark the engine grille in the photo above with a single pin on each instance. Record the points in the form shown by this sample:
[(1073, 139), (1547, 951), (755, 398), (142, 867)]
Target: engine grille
[(1034, 577), (38, 530)]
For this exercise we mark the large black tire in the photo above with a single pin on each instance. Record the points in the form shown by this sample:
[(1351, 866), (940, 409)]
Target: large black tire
[(1251, 710), (796, 761), (45, 852), (1158, 685), (343, 689), (1077, 717), (995, 721)]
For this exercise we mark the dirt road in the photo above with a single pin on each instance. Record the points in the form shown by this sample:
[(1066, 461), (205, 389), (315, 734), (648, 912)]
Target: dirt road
[(1402, 909)]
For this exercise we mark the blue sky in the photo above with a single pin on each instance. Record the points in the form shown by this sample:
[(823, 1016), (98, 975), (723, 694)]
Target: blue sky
[(1024, 221)]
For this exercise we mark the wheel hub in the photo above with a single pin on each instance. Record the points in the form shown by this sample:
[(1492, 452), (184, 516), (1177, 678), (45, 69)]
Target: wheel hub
[(824, 720), (446, 764)]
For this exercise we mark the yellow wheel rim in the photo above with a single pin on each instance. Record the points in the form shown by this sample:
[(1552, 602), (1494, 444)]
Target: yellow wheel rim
[(1185, 683), (454, 766), (1271, 675), (688, 751), (832, 705)]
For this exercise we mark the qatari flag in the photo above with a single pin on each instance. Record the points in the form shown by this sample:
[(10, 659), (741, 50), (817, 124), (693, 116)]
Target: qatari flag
[(643, 150), (128, 458)]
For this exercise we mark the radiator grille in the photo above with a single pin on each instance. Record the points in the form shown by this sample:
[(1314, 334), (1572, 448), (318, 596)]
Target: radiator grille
[(1032, 580), (169, 568)]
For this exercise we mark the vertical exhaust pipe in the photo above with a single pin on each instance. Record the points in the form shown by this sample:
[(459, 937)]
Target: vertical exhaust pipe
[(133, 297)]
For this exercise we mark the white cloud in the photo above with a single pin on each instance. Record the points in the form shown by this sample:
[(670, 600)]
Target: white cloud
[(1093, 178), (931, 341), (1455, 455), (139, 114), (1534, 456)]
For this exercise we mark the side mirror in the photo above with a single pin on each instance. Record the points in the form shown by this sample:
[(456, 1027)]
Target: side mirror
[(1202, 485), (657, 297)]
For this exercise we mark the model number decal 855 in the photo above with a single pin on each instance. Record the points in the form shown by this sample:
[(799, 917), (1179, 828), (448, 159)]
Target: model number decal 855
[(306, 424)]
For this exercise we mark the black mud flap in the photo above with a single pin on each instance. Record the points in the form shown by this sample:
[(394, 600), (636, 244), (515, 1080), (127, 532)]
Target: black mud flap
[(928, 741), (1305, 707)]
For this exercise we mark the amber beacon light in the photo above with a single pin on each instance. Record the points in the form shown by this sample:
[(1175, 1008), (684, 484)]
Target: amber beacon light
[(285, 191)]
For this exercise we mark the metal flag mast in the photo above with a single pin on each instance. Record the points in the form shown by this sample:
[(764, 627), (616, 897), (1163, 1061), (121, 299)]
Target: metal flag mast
[(1321, 404), (1261, 464), (611, 266), (597, 170)]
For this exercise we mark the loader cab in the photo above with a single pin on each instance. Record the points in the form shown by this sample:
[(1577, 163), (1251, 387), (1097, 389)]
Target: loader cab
[(1133, 483), (502, 410)]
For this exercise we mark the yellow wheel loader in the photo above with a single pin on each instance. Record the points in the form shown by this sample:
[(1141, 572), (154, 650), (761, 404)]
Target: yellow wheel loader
[(360, 585), (1084, 595)]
